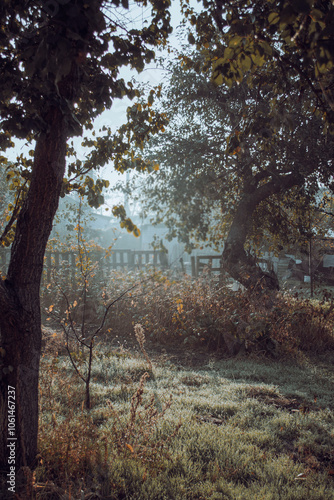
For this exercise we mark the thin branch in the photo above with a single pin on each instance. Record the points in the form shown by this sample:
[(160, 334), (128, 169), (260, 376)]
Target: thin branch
[(74, 364), (326, 212), (111, 304)]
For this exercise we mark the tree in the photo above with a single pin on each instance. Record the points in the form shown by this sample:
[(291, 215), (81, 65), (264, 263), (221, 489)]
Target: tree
[(60, 68), (286, 49), (231, 159)]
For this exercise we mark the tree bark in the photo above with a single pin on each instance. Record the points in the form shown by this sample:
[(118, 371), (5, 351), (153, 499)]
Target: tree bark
[(235, 261), (20, 317)]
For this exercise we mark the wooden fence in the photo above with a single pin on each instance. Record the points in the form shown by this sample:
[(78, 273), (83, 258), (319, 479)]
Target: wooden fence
[(213, 265), (200, 262), (116, 259)]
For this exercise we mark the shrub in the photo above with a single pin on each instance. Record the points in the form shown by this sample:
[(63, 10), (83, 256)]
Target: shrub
[(203, 313), (200, 312)]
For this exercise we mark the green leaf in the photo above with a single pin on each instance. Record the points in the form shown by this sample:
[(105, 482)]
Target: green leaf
[(258, 59), (266, 47), (218, 79), (228, 53), (218, 62)]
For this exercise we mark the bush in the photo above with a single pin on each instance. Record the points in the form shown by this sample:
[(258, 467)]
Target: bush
[(202, 313)]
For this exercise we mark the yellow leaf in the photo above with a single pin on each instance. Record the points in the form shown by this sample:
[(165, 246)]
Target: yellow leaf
[(130, 448)]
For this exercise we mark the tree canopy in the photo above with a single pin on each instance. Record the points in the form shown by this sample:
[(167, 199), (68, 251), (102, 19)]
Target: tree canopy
[(240, 38)]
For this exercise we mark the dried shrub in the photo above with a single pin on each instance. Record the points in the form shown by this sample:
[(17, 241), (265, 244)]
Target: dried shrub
[(140, 336), (200, 312), (303, 324)]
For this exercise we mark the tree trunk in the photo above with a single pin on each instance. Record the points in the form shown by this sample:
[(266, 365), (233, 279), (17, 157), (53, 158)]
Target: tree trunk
[(235, 261), (20, 317)]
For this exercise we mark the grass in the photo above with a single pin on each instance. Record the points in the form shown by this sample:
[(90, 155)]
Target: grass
[(253, 421), (230, 429)]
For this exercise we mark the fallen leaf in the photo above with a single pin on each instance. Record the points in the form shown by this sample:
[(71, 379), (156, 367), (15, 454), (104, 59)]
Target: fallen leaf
[(301, 477)]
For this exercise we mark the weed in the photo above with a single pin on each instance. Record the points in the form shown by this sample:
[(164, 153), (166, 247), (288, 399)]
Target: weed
[(140, 336)]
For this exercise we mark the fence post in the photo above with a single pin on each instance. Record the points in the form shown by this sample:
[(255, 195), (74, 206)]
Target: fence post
[(193, 266), (137, 255), (163, 259), (130, 255)]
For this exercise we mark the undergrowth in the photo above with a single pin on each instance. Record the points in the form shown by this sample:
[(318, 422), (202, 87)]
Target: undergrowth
[(202, 313)]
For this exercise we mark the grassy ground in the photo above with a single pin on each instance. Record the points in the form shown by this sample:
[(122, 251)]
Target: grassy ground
[(245, 428)]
